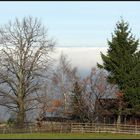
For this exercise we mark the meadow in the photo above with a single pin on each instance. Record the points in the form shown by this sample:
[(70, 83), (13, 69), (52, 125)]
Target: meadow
[(69, 136)]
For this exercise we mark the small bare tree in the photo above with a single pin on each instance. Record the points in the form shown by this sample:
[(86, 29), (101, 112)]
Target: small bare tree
[(60, 86), (101, 89), (24, 61), (53, 91), (94, 88), (63, 78)]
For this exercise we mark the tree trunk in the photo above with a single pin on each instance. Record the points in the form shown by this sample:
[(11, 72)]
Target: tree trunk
[(21, 93), (21, 114), (119, 115), (65, 100), (21, 109), (119, 119)]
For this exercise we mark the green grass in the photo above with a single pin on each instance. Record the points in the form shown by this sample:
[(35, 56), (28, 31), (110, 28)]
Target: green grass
[(69, 136)]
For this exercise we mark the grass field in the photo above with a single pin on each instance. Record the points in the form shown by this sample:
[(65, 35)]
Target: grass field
[(69, 136)]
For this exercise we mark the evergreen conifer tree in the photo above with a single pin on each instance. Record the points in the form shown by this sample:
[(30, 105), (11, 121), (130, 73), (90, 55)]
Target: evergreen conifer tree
[(123, 63)]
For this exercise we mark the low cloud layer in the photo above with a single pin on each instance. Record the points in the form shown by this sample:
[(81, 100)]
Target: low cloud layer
[(83, 58)]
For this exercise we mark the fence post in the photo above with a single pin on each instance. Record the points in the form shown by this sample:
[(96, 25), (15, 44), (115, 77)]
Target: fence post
[(61, 127), (30, 129), (135, 126), (4, 130), (82, 129), (71, 127)]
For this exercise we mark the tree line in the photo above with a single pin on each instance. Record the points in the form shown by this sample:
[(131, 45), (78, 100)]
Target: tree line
[(30, 84)]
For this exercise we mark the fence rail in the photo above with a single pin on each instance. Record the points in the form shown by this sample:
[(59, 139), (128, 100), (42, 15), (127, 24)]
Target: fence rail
[(112, 128), (60, 127)]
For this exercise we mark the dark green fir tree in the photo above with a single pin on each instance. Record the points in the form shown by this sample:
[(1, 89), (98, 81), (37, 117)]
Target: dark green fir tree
[(122, 61)]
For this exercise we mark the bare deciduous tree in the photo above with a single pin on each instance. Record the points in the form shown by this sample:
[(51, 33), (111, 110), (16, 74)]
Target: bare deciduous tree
[(64, 78), (24, 61), (93, 88), (98, 88), (60, 86)]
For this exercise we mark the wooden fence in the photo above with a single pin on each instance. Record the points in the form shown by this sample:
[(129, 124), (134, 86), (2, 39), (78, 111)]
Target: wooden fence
[(109, 128), (60, 127)]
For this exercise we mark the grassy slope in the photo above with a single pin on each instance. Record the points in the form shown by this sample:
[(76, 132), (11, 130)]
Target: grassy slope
[(66, 136)]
